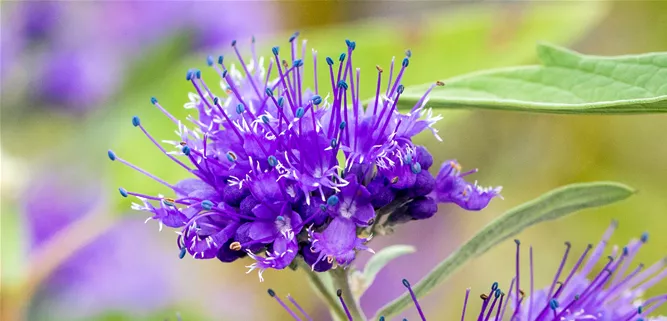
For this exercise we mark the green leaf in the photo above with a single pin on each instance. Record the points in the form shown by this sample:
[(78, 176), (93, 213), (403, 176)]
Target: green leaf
[(378, 261), (567, 82), (550, 206)]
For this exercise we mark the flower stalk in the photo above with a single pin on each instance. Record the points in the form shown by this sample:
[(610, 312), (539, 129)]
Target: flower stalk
[(325, 293)]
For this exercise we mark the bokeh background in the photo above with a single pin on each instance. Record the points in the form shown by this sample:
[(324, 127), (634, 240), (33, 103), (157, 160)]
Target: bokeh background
[(74, 73)]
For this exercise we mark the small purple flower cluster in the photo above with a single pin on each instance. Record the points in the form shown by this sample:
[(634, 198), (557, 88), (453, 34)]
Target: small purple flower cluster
[(283, 172), (612, 294)]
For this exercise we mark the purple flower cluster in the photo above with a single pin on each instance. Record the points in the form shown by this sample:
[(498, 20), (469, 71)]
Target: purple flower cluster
[(613, 294), (281, 172)]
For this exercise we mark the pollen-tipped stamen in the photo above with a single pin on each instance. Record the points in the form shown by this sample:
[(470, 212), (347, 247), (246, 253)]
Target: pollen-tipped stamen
[(414, 299), (339, 293), (273, 295)]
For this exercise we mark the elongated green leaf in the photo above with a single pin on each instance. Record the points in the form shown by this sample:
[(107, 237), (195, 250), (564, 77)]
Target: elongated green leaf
[(550, 206), (566, 82), (382, 258)]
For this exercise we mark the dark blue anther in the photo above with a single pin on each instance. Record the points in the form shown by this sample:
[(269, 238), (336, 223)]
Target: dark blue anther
[(342, 125), (271, 293), (317, 99), (186, 150), (333, 143), (297, 63), (342, 57), (269, 92), (215, 100), (299, 112), (323, 207), (265, 119), (553, 304), (136, 121), (240, 109), (209, 61), (207, 205), (123, 192), (406, 283), (329, 61), (494, 286), (231, 157), (644, 237), (224, 73), (332, 200), (275, 50), (400, 89), (198, 74), (111, 155), (342, 84), (406, 62), (281, 101), (181, 255), (221, 58), (272, 161), (233, 43), (416, 168), (167, 202), (189, 74), (153, 100)]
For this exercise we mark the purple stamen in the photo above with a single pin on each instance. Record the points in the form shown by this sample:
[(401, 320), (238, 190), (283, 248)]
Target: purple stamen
[(391, 75), (465, 305), (532, 289), (245, 69), (576, 266), (298, 307), (339, 293), (294, 315), (377, 90), (317, 92), (140, 170), (568, 245), (162, 148), (284, 79), (496, 295), (232, 87), (414, 299), (509, 295), (518, 278), (164, 111), (597, 253), (502, 296), (633, 249), (231, 124)]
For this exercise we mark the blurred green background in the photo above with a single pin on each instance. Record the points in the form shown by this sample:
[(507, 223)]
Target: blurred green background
[(529, 154)]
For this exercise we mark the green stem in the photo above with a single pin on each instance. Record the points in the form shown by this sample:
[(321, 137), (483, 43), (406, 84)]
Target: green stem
[(325, 293), (340, 280)]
